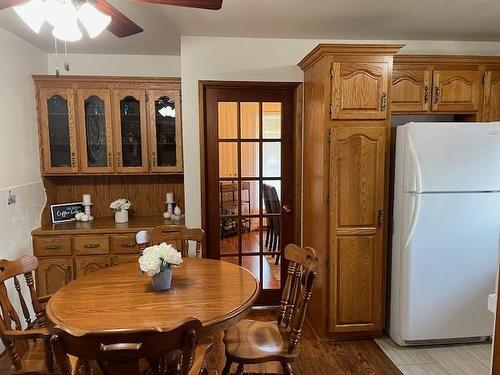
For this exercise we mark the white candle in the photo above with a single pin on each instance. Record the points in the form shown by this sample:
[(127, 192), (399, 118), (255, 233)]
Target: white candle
[(170, 197), (86, 199)]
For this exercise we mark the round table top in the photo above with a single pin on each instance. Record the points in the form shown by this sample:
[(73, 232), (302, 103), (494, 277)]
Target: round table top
[(217, 293)]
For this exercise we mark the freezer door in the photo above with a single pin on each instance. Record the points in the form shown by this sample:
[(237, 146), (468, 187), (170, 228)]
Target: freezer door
[(449, 265), (446, 157)]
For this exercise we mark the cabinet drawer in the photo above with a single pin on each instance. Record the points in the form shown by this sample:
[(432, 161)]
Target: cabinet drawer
[(124, 244), (48, 246), (91, 245)]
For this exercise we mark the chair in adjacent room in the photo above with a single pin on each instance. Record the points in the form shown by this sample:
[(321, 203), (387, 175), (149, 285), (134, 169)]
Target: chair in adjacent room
[(138, 352), (251, 341), (179, 237), (27, 343)]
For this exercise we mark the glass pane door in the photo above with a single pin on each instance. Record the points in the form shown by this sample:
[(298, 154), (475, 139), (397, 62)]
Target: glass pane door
[(95, 130), (57, 117), (165, 131), (130, 131), (249, 185)]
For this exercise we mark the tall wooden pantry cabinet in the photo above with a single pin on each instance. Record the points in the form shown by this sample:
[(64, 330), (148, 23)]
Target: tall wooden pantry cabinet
[(346, 156)]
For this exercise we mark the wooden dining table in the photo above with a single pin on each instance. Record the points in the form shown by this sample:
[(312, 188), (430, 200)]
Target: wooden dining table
[(217, 293)]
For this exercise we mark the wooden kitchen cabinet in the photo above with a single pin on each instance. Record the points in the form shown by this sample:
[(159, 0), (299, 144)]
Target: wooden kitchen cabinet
[(357, 190), (491, 106), (130, 130), (345, 159), (85, 265), (52, 274), (411, 89), (359, 90), (57, 130), (95, 130), (456, 90)]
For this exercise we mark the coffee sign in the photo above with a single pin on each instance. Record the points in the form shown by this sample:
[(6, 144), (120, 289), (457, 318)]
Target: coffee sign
[(65, 212)]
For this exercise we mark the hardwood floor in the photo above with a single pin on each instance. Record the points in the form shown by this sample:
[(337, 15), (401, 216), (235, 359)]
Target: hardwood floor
[(360, 357)]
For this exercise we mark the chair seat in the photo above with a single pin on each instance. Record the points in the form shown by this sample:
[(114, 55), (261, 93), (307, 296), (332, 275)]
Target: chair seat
[(252, 341)]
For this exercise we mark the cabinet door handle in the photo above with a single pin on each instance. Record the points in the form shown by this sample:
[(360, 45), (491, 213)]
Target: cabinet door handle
[(91, 245), (73, 160), (426, 94), (153, 159), (118, 159), (383, 101), (128, 244), (67, 274), (437, 93), (53, 247)]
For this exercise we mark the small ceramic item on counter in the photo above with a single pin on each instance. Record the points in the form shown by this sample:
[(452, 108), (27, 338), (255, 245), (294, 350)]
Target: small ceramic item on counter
[(166, 215), (84, 217), (79, 215), (177, 211)]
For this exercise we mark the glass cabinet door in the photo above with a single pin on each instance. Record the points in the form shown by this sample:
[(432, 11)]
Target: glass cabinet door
[(58, 131), (131, 152), (96, 144), (165, 131)]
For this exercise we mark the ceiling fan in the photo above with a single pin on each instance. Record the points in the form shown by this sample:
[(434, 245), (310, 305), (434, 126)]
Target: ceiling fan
[(110, 17)]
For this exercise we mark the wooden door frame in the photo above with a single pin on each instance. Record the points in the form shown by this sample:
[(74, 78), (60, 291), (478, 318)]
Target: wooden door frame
[(298, 102)]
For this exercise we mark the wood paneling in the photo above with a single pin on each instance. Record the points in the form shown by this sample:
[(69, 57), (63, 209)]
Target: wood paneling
[(357, 178), (456, 90), (52, 274), (84, 137), (359, 90), (491, 108), (411, 89), (87, 265)]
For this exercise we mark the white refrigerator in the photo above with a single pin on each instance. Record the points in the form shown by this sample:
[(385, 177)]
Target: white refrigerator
[(446, 226)]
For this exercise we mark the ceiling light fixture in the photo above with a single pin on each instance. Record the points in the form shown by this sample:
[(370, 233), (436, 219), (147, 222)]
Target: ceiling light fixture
[(63, 16), (32, 13)]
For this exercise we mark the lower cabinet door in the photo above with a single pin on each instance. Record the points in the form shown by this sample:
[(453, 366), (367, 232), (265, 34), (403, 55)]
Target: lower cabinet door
[(121, 259), (52, 274), (87, 265)]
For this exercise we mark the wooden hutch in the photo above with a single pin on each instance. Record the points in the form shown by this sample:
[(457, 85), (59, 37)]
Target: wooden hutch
[(349, 100), (111, 137)]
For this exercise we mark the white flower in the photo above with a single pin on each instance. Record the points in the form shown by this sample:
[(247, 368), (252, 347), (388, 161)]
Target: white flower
[(120, 204), (157, 258)]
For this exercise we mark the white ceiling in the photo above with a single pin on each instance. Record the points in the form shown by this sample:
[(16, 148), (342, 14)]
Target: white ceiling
[(324, 19)]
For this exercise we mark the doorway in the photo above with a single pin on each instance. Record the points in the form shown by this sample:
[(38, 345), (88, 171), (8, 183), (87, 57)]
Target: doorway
[(250, 169)]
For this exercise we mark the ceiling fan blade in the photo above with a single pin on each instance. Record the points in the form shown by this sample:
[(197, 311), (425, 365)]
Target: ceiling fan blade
[(203, 4), (120, 25), (10, 3)]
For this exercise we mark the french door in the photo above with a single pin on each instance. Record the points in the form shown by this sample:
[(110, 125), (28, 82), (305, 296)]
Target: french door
[(249, 179)]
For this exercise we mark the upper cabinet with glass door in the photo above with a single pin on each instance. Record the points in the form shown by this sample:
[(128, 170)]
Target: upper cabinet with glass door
[(95, 131), (165, 138), (58, 130), (130, 130)]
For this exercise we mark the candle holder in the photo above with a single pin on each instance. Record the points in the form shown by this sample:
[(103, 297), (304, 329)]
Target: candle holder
[(88, 211)]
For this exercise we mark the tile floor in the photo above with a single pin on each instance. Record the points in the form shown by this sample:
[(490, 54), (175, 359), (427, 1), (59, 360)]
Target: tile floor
[(466, 359)]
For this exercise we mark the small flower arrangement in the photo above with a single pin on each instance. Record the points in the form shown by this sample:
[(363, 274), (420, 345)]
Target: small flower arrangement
[(120, 205), (158, 258)]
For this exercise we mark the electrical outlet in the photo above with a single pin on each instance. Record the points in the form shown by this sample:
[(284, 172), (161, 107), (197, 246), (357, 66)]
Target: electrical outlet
[(11, 200)]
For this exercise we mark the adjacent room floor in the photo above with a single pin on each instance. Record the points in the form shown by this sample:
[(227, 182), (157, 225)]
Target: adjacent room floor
[(467, 359)]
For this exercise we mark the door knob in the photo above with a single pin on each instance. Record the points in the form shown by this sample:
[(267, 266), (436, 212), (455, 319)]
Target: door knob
[(286, 208)]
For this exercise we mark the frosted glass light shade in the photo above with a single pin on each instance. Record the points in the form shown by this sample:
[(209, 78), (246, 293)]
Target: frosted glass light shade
[(60, 13), (94, 21), (32, 13), (67, 32)]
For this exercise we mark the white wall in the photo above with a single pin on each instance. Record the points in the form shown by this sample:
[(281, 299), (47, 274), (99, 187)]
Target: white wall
[(116, 65), (216, 58), (19, 160)]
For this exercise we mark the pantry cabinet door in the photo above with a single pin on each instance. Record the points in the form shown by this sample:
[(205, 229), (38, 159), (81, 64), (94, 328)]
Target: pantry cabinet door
[(95, 130), (411, 89), (491, 107), (52, 274), (359, 90), (456, 90)]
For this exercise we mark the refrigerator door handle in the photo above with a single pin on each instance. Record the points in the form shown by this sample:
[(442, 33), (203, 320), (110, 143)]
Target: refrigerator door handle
[(418, 190)]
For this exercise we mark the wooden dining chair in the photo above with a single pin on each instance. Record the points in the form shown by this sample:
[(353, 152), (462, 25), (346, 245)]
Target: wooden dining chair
[(179, 237), (138, 352), (27, 343), (251, 341)]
